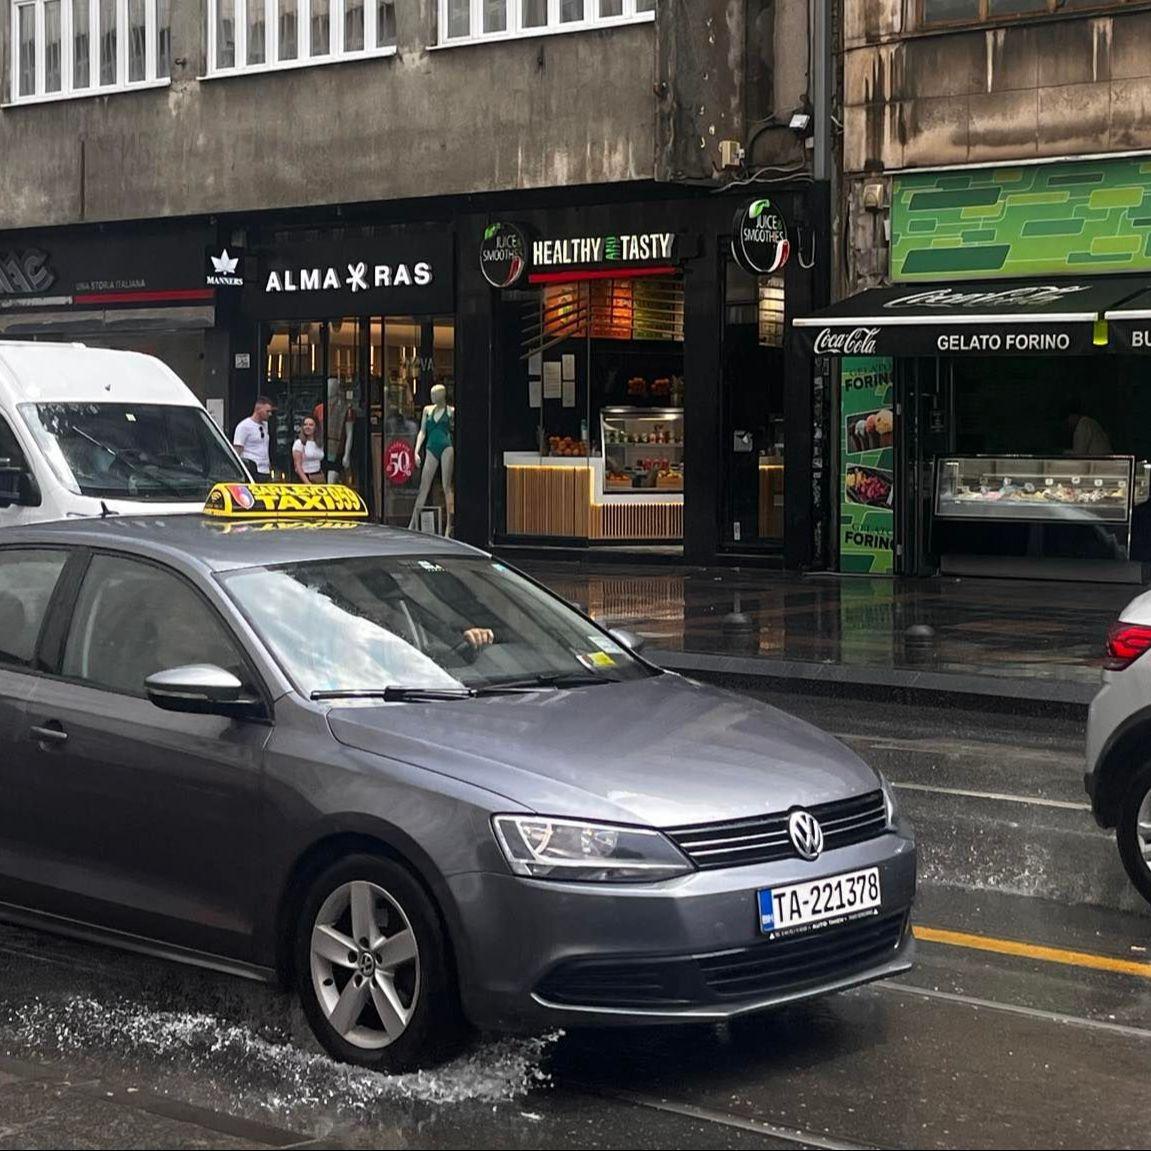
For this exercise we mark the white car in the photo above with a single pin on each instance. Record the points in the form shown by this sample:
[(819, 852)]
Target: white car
[(1118, 775), (92, 431)]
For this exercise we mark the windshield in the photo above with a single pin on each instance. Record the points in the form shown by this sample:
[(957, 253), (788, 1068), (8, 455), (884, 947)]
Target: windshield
[(445, 622), (133, 451)]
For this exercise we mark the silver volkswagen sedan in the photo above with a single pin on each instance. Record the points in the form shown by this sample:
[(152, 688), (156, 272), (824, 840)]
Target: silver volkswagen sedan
[(388, 770)]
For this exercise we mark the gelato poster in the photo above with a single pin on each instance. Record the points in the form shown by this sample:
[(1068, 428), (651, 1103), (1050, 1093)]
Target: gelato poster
[(867, 489)]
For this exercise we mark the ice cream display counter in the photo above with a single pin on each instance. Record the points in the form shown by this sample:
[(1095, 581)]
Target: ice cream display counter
[(1001, 514)]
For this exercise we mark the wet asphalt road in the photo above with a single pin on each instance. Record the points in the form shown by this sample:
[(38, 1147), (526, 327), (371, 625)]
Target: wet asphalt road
[(972, 1049)]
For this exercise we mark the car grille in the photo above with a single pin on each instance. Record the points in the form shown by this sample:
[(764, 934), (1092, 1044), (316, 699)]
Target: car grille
[(764, 970), (764, 838)]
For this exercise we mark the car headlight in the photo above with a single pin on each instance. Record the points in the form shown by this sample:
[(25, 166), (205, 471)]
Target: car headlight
[(570, 849), (889, 803)]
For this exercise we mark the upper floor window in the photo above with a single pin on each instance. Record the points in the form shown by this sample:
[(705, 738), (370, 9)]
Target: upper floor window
[(254, 35), (63, 48), (464, 21), (974, 11)]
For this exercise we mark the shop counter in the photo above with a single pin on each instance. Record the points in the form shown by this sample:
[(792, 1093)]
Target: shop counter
[(565, 497)]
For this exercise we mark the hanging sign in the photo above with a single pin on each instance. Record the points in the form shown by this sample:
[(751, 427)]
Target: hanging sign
[(759, 238), (503, 255)]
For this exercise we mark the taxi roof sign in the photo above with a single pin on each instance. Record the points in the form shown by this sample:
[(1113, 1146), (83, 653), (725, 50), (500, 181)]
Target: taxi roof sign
[(285, 502)]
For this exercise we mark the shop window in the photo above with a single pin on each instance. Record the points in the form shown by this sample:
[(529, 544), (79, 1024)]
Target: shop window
[(466, 21), (66, 48), (259, 35), (932, 12)]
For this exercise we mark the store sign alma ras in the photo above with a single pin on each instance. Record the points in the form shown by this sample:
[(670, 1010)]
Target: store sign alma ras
[(359, 276), (503, 255), (759, 238)]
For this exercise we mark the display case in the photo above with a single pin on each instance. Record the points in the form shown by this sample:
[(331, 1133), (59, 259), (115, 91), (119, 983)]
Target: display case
[(642, 450), (1036, 489)]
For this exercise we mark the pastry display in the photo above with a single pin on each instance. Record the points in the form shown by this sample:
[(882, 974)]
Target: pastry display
[(868, 486)]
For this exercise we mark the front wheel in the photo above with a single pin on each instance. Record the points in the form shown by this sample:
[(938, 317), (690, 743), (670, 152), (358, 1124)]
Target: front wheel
[(372, 969), (1134, 831)]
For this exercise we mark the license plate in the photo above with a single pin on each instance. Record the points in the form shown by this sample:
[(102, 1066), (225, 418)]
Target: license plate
[(799, 907)]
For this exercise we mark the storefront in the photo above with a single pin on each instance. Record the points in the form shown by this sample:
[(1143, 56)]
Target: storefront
[(354, 327), (993, 415), (140, 287), (645, 392)]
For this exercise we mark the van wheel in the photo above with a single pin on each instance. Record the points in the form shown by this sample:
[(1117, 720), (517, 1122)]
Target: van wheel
[(1133, 831), (372, 969)]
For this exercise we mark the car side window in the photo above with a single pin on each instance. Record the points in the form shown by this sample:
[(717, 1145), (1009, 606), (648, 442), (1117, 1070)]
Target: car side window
[(133, 619), (27, 579), (11, 454)]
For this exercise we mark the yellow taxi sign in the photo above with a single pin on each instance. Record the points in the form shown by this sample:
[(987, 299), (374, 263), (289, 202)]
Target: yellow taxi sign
[(285, 501)]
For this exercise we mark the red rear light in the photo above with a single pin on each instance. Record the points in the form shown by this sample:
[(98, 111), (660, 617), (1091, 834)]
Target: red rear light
[(1126, 642)]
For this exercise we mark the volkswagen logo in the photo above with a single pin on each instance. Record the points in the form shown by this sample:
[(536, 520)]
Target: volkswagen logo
[(806, 834)]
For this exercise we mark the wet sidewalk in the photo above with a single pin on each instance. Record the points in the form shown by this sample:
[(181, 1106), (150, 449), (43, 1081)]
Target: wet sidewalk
[(1040, 641)]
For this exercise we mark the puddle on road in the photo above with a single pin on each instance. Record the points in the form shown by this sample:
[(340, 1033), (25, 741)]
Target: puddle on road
[(253, 1068)]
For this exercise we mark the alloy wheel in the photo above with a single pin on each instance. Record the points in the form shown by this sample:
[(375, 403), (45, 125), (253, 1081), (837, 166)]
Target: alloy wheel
[(365, 965), (1143, 829)]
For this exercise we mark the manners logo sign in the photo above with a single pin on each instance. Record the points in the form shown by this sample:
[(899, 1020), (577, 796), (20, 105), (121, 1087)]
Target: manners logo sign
[(223, 268)]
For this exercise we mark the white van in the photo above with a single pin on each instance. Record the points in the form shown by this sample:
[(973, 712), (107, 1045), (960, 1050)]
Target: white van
[(90, 431)]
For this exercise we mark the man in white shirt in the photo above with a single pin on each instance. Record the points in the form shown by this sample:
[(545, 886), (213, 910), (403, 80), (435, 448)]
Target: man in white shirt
[(1087, 435), (251, 440)]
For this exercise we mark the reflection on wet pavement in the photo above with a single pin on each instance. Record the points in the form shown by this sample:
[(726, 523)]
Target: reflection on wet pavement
[(1000, 627)]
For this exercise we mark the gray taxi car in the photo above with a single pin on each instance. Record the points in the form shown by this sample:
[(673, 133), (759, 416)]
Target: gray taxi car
[(391, 771)]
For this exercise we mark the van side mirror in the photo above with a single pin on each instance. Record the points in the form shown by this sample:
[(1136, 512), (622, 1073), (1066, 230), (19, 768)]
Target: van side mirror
[(202, 689), (629, 639), (18, 486)]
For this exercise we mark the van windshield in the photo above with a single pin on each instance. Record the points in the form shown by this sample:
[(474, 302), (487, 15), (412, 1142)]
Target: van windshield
[(133, 451)]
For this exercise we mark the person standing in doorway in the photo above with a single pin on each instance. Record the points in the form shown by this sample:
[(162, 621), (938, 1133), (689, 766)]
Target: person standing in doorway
[(251, 440), (1087, 435), (307, 455)]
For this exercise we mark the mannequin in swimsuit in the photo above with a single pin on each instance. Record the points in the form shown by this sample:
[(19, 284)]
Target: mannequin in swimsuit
[(436, 427)]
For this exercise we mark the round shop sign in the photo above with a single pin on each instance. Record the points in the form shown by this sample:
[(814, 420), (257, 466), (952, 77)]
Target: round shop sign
[(503, 254), (399, 462), (759, 241)]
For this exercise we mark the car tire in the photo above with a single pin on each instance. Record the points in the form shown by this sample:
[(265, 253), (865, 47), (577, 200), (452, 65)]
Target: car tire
[(1136, 799), (387, 1000)]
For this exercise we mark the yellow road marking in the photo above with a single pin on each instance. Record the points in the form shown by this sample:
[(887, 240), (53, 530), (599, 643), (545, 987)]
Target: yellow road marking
[(1033, 951)]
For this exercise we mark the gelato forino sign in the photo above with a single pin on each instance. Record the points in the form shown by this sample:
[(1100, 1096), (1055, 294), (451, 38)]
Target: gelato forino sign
[(759, 239), (503, 255)]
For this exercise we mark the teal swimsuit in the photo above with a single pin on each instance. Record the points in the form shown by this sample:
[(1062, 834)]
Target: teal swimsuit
[(439, 433)]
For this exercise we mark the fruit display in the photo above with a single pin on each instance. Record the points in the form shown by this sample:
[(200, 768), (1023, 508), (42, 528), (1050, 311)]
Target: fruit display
[(868, 486), (566, 446)]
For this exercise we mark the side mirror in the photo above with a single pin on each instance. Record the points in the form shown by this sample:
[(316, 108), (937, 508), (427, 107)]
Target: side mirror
[(18, 486), (629, 639), (202, 689)]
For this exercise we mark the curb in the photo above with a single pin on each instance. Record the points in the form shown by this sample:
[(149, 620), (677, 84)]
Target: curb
[(1065, 693)]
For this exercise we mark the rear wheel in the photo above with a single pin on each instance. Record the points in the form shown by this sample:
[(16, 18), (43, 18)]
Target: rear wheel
[(1133, 831), (372, 969)]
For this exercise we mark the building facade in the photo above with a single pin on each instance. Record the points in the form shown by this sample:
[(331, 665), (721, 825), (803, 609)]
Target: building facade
[(325, 201), (995, 225)]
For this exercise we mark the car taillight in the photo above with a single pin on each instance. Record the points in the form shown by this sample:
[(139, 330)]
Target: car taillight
[(1126, 642)]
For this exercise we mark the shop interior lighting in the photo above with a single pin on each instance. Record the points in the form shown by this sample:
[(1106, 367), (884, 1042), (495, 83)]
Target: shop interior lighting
[(770, 311)]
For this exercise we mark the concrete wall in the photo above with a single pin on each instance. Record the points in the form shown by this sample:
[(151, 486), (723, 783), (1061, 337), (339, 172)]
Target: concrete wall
[(918, 98), (558, 110)]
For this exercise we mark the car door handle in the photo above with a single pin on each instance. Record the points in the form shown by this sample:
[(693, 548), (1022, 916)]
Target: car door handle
[(50, 733)]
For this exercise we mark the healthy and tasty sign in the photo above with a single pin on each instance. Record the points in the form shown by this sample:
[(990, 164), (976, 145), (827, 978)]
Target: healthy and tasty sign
[(284, 501), (867, 469), (759, 240), (395, 272), (1066, 219)]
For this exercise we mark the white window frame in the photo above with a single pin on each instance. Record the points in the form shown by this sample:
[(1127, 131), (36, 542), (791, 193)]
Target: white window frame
[(67, 48), (304, 59), (554, 26)]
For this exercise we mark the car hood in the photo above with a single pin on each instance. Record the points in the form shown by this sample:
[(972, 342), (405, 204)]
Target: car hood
[(661, 751)]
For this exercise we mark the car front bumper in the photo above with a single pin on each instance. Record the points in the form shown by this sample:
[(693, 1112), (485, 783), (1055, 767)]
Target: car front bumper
[(535, 953)]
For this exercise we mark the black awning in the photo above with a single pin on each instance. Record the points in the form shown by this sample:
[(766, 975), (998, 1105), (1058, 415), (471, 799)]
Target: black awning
[(993, 317), (1129, 324)]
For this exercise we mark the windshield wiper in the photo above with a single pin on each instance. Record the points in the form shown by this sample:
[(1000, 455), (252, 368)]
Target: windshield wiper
[(560, 680), (397, 694), (120, 458)]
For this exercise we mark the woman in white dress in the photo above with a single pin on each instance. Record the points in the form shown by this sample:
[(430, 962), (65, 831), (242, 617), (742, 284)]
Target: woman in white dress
[(307, 454)]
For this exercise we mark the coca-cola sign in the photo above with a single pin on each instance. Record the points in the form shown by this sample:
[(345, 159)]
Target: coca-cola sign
[(1011, 300), (846, 341)]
